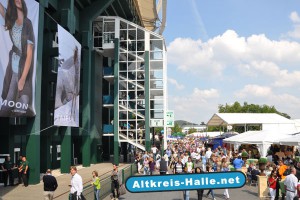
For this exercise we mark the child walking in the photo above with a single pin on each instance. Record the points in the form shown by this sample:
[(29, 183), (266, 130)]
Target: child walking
[(96, 184)]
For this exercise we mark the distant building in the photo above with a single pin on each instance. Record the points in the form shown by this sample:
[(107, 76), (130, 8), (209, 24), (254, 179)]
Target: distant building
[(198, 127)]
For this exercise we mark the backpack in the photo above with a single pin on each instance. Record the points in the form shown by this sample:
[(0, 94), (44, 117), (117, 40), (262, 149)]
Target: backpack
[(287, 172)]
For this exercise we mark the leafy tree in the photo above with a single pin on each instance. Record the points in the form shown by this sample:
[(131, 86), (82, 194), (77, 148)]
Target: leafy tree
[(176, 128), (192, 130), (178, 134), (249, 108), (213, 128), (158, 129)]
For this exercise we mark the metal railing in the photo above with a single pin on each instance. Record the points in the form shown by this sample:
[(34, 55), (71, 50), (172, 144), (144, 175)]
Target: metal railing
[(105, 181)]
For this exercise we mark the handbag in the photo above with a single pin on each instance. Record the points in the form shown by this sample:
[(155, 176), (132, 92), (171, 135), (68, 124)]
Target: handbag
[(122, 189)]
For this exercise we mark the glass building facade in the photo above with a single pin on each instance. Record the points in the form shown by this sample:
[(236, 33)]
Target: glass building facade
[(134, 79)]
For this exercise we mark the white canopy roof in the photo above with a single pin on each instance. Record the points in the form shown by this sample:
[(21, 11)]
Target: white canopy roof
[(223, 119), (262, 138), (290, 140), (258, 137), (237, 139)]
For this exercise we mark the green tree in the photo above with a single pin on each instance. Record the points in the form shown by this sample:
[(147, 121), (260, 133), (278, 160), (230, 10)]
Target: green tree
[(249, 108), (176, 128), (158, 129), (192, 130)]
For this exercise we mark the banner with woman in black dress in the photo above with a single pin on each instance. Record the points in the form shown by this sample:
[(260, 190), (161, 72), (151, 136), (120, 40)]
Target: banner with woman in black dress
[(18, 42)]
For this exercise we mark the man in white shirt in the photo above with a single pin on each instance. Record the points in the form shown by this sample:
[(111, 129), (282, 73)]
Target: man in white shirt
[(154, 151), (76, 184), (208, 153), (290, 184), (193, 155)]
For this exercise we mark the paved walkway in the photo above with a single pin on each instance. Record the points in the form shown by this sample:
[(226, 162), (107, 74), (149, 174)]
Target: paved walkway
[(35, 192), (245, 193)]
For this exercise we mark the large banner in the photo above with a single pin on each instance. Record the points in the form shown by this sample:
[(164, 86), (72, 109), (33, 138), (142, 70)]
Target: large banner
[(18, 44), (68, 80)]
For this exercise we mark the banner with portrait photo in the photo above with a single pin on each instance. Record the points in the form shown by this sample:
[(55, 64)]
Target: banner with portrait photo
[(68, 80), (18, 46)]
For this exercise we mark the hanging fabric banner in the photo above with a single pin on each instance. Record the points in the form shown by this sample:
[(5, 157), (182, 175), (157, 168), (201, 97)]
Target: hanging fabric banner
[(18, 43), (68, 80)]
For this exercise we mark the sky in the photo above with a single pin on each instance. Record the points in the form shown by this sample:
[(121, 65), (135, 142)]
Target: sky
[(220, 52)]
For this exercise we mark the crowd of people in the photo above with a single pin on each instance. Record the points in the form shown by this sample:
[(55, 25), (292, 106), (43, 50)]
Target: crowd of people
[(283, 175), (180, 157), (185, 156), (195, 156)]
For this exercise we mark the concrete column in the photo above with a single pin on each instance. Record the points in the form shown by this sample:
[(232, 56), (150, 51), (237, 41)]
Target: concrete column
[(66, 150)]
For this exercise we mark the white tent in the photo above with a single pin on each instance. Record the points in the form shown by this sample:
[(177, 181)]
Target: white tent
[(237, 138), (221, 119), (262, 138), (291, 140)]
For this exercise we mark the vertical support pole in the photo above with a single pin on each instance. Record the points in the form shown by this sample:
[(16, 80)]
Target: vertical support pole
[(86, 114), (33, 139), (123, 176), (147, 101), (66, 157), (11, 143), (116, 102)]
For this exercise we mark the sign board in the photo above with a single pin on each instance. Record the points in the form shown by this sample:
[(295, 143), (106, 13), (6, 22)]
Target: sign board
[(156, 122), (160, 183), (170, 118)]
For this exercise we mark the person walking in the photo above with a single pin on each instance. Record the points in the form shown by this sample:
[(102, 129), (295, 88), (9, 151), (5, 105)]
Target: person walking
[(50, 185), (209, 169), (189, 168), (154, 151), (96, 184), (238, 163), (178, 167), (272, 184), (115, 183), (163, 167), (76, 184), (139, 162), (152, 166), (203, 160), (146, 166), (290, 184), (199, 191), (7, 168), (281, 168), (225, 169)]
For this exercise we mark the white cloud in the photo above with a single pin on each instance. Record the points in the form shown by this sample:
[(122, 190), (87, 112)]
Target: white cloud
[(295, 33), (295, 17), (281, 77), (254, 90), (261, 95), (174, 82), (192, 106), (206, 94), (253, 56), (232, 68)]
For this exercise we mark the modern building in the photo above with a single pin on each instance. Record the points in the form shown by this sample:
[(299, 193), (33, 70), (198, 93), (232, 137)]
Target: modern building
[(197, 127), (122, 85), (133, 80)]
